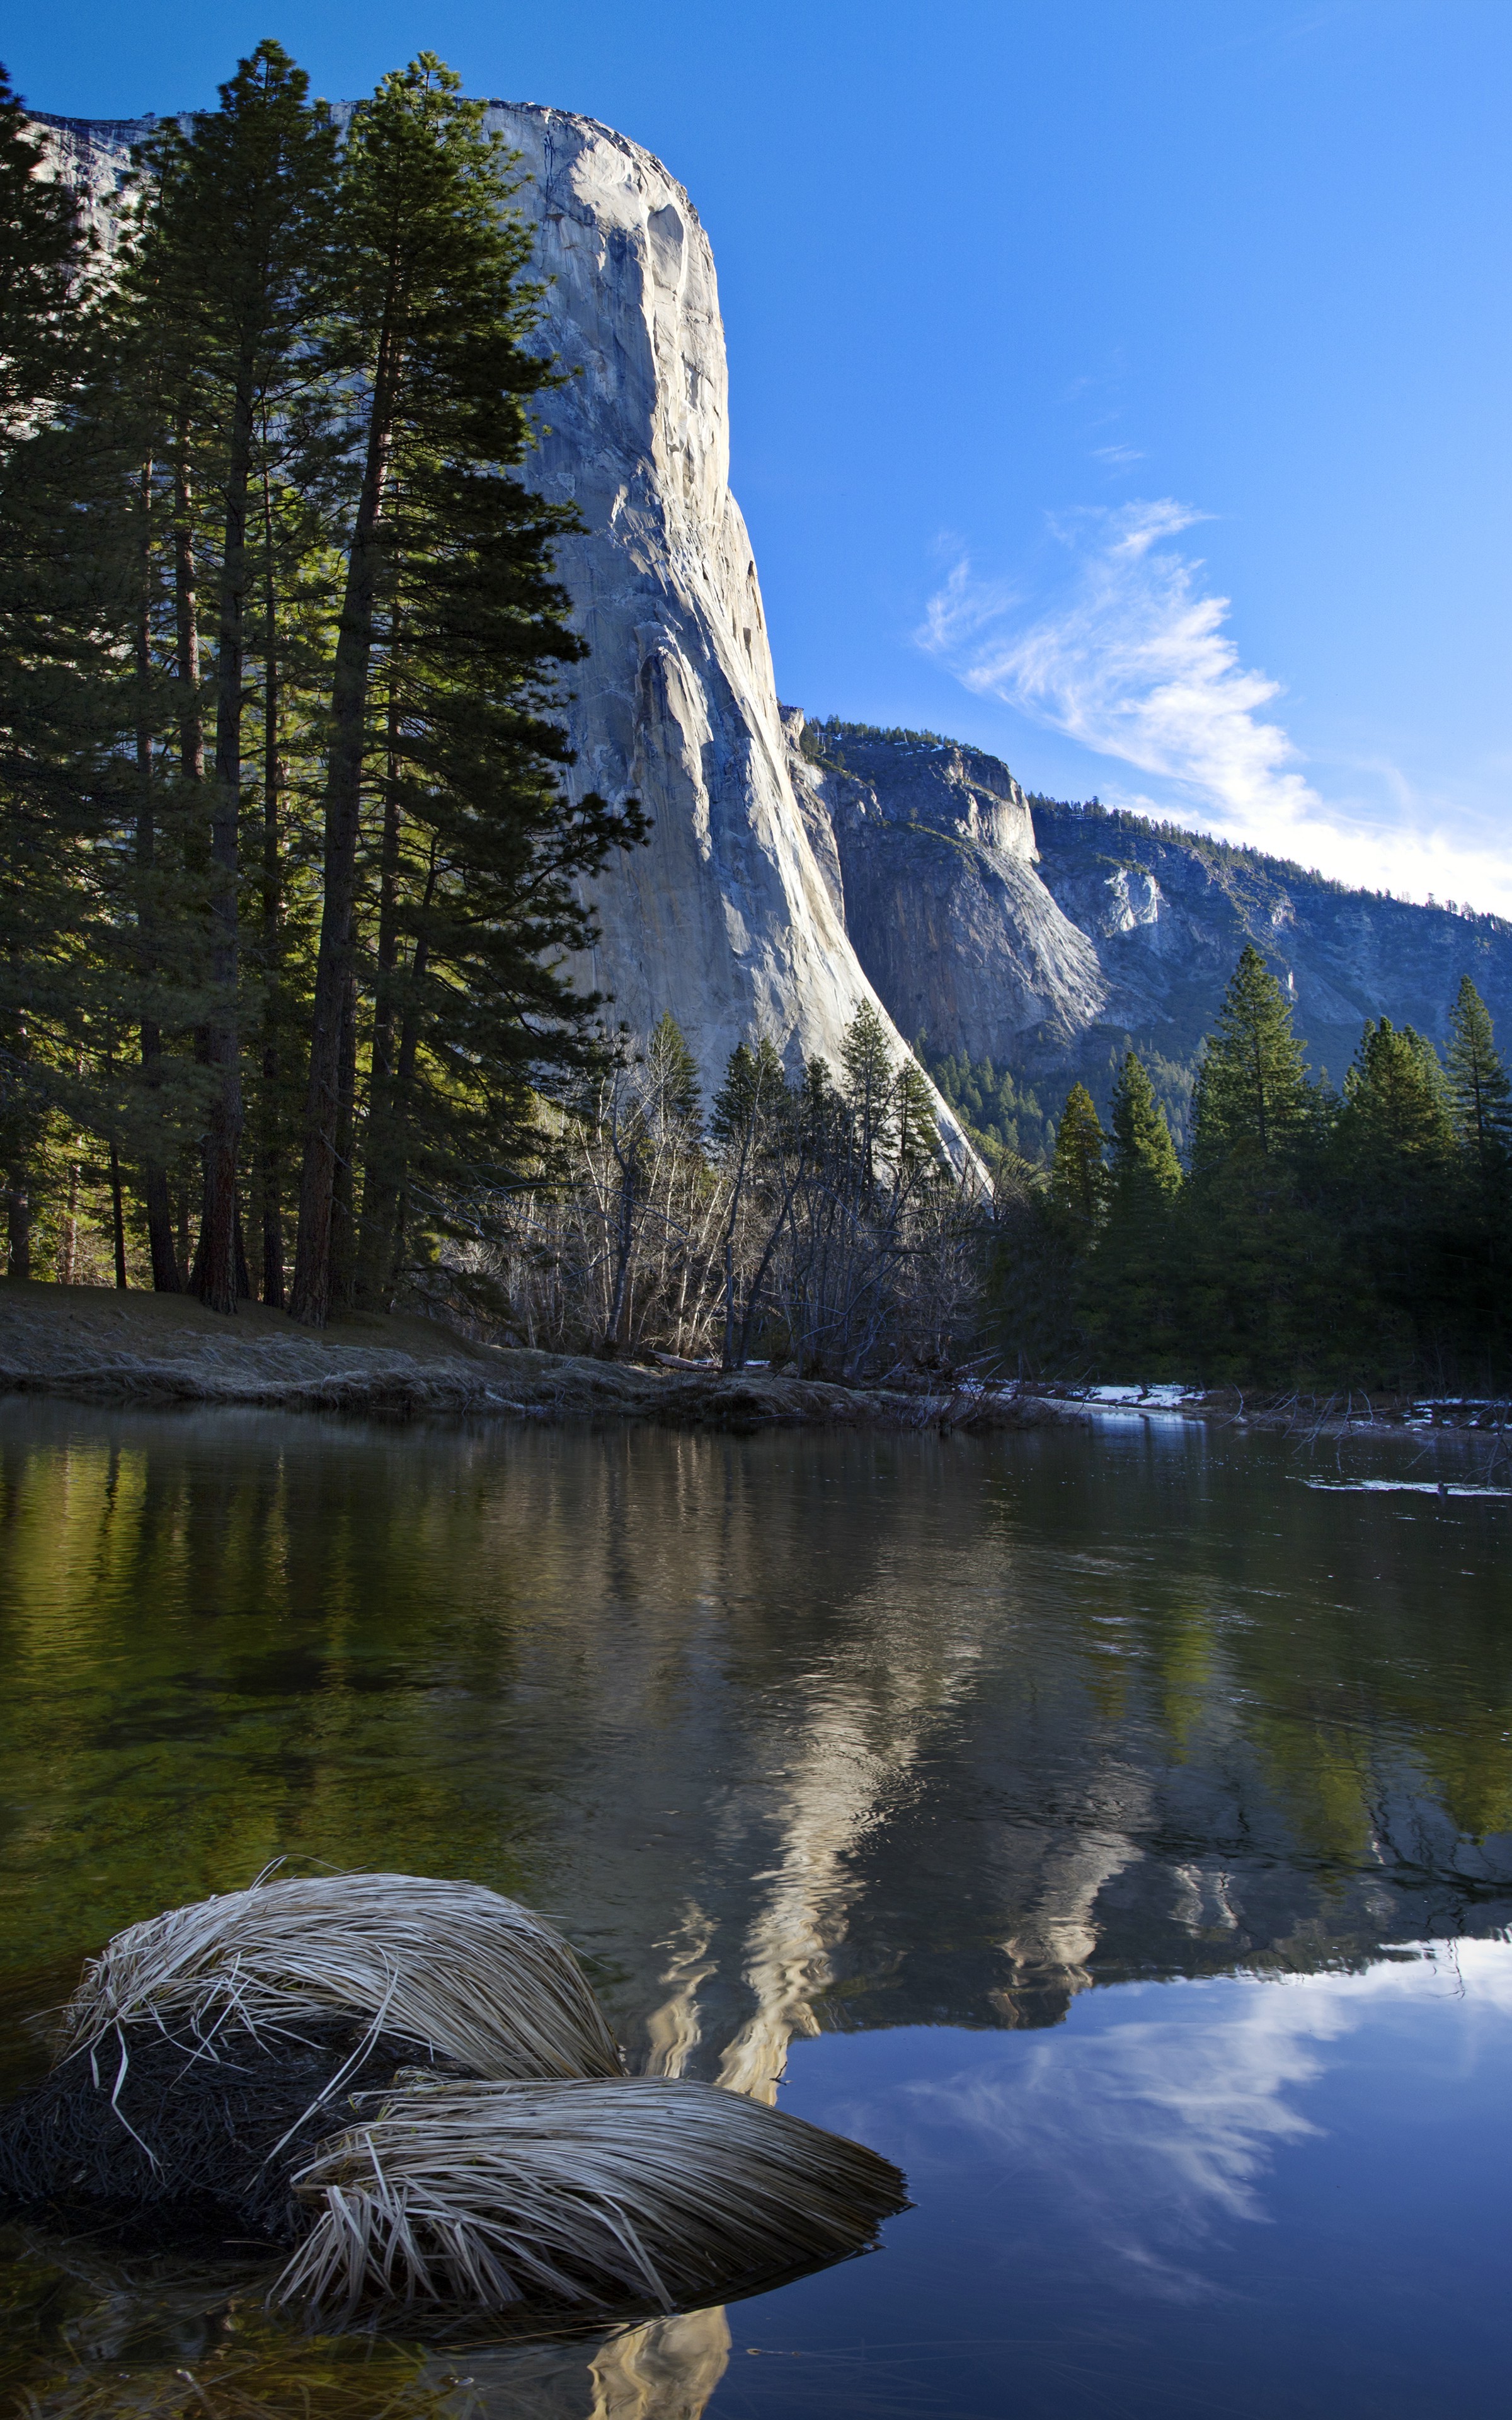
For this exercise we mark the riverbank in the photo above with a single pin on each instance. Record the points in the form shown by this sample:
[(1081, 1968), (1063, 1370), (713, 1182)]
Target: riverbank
[(1346, 1413), (97, 1345)]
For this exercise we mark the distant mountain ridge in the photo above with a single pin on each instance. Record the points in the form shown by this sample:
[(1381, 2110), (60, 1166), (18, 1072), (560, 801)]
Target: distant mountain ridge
[(1046, 936)]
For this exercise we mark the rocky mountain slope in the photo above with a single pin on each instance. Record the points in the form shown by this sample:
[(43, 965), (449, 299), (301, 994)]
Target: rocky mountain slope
[(1045, 935)]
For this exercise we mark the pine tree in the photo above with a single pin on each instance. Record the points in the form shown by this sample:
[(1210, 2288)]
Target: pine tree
[(1130, 1287), (1395, 1108), (1252, 1091), (64, 687), (44, 252), (1256, 1281), (1143, 1156), (1480, 1106), (673, 1070), (754, 1092), (1479, 1090), (917, 1149), (1078, 1177), (865, 1066), (236, 255), (1391, 1157), (1034, 1273), (451, 634)]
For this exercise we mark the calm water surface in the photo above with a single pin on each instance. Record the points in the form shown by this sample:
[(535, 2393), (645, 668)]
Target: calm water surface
[(1110, 1828)]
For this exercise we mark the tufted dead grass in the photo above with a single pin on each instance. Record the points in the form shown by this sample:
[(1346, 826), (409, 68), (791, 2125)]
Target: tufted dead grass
[(494, 2197), (471, 1975)]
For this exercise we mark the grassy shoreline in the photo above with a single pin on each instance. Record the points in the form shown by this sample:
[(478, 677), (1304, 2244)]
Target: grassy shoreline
[(97, 1345)]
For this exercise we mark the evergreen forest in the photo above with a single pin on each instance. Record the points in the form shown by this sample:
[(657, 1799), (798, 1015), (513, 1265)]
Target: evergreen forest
[(1315, 1237)]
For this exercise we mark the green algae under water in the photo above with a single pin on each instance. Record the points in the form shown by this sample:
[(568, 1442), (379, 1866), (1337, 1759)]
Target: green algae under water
[(1107, 1826)]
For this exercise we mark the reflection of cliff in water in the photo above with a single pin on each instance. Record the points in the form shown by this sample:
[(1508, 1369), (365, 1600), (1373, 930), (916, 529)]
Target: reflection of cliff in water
[(788, 1732)]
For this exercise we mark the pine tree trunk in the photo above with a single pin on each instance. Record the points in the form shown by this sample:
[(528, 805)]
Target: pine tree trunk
[(270, 1163), (117, 1219), (190, 723), (383, 1156), (218, 1271), (71, 1227), (390, 1231), (18, 1224), (343, 1230), (186, 618), (334, 967), (159, 1208)]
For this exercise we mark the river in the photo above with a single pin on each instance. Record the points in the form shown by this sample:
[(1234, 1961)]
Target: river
[(1113, 1827)]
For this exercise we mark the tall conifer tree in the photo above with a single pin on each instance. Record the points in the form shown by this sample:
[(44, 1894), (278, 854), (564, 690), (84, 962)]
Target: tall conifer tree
[(1257, 1264), (237, 252), (450, 636), (63, 684), (1143, 1156), (1131, 1284), (1479, 1090), (1078, 1173), (1251, 1095)]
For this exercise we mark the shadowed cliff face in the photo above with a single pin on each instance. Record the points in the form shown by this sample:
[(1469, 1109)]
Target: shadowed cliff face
[(930, 853), (1168, 914), (1041, 940)]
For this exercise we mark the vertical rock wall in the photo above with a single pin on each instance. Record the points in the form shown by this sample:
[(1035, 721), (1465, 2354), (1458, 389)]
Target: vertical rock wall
[(726, 919)]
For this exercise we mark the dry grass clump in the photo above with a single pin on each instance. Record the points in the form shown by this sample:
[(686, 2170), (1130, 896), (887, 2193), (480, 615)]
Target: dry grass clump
[(475, 1977), (494, 2197), (209, 2057)]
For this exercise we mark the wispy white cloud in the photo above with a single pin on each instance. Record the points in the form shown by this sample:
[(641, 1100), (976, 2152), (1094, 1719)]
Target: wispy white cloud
[(1143, 2140), (1116, 455), (1132, 661)]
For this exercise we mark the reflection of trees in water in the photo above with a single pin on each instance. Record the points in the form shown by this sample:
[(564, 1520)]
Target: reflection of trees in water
[(883, 1728)]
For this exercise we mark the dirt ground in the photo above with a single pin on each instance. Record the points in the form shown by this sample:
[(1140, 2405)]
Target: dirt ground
[(99, 1345)]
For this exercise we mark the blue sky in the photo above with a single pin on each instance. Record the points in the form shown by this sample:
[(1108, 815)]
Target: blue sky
[(1125, 385)]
